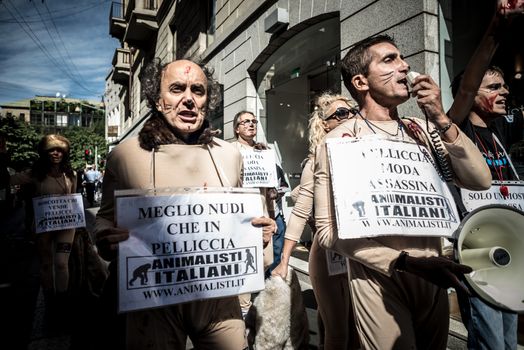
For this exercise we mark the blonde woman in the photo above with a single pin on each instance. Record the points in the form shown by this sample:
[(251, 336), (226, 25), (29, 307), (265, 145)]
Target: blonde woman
[(52, 174), (331, 292)]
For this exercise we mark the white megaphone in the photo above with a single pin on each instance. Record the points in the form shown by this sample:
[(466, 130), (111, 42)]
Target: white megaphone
[(490, 239)]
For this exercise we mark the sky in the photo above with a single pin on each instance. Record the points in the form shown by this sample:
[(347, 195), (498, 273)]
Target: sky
[(54, 46)]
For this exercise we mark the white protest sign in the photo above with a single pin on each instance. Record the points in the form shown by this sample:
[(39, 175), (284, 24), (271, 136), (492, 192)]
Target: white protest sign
[(493, 195), (58, 212), (188, 245), (336, 263), (259, 168), (387, 187)]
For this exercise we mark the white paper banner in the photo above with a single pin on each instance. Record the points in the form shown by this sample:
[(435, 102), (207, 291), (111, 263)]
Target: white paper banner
[(336, 263), (188, 245), (476, 199), (58, 212), (386, 187), (259, 168)]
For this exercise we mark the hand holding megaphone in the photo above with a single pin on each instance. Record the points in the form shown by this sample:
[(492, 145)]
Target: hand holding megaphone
[(427, 93), (438, 270)]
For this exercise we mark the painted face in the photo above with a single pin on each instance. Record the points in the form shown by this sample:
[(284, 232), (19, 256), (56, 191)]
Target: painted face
[(387, 74), (332, 122), (247, 126), (491, 96), (55, 155), (183, 96)]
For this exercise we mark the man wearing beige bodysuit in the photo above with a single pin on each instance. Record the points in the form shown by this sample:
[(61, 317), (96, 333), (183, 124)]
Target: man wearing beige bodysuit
[(175, 148), (398, 283)]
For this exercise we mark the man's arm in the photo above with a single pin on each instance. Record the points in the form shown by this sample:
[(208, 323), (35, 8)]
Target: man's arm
[(477, 66)]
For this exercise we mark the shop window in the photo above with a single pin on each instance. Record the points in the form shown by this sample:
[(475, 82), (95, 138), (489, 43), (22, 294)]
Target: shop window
[(294, 74)]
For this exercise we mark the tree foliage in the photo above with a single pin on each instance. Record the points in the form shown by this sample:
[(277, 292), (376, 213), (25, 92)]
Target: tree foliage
[(22, 140), (82, 139)]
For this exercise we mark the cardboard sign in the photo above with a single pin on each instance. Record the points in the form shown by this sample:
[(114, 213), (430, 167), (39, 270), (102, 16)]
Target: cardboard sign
[(476, 199), (188, 245), (259, 168), (58, 212), (388, 187)]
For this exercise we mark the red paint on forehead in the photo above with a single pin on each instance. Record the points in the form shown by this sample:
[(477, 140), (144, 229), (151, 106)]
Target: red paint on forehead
[(187, 69)]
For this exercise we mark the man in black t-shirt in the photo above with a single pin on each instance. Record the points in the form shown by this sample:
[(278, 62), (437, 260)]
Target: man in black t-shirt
[(494, 132), (494, 137), (490, 127)]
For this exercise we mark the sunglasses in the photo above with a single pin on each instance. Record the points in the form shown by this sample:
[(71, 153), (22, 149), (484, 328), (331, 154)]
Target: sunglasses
[(341, 113), (248, 121), (51, 150)]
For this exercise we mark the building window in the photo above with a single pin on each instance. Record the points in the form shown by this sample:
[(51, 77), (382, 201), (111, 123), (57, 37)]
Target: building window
[(61, 120), (36, 118), (49, 106), (9, 114), (86, 119), (22, 117), (49, 119), (216, 117), (193, 32), (74, 120)]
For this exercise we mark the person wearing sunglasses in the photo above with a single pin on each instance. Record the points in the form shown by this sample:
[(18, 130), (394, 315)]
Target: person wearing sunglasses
[(52, 174), (335, 314)]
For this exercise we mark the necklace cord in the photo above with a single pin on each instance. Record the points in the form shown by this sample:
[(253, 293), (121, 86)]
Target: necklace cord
[(373, 126)]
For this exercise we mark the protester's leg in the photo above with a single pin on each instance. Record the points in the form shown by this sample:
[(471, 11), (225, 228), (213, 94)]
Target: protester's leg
[(432, 321), (510, 321), (110, 327), (161, 328), (321, 330), (414, 312), (216, 324), (334, 301), (90, 193), (245, 303), (63, 244), (485, 325), (278, 243), (45, 245)]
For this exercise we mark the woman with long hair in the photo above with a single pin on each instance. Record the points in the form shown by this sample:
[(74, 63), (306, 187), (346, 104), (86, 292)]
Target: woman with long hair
[(331, 292), (52, 174)]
